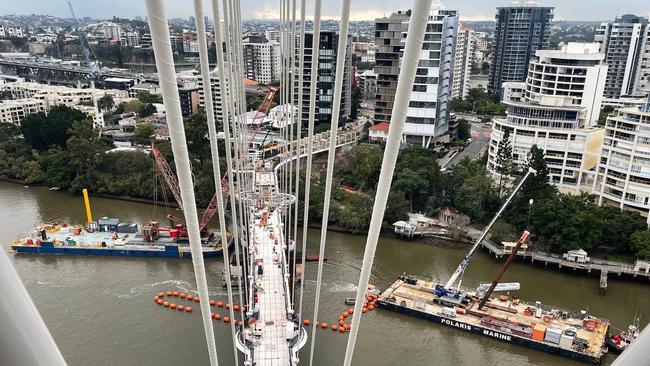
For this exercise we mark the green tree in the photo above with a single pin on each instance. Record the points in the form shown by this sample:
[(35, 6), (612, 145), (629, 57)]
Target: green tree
[(464, 129), (146, 97), (42, 131), (142, 134), (640, 242), (504, 161), (605, 112), (106, 102), (146, 110), (133, 106)]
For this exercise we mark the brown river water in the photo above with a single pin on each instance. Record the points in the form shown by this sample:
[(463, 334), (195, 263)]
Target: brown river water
[(101, 310)]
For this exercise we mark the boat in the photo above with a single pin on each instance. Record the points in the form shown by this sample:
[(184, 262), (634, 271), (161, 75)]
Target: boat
[(617, 343), (574, 335), (110, 237)]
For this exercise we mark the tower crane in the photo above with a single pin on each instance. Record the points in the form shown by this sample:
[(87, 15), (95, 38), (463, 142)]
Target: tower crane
[(447, 290), (92, 67)]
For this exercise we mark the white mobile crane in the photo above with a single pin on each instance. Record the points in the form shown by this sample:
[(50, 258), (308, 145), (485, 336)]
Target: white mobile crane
[(447, 291)]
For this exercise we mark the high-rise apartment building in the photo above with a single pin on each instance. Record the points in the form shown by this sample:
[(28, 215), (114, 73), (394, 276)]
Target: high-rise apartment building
[(427, 117), (521, 30), (463, 61), (623, 175), (216, 95), (626, 45), (388, 38), (557, 109), (261, 59), (326, 71)]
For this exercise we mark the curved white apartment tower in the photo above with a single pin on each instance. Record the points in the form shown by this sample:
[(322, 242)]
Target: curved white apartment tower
[(556, 109), (623, 177)]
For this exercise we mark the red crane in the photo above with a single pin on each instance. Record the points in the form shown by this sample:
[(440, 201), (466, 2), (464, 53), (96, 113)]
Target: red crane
[(172, 183)]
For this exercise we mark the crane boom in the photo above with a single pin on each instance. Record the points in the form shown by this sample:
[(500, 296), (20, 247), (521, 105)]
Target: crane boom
[(172, 183), (463, 264)]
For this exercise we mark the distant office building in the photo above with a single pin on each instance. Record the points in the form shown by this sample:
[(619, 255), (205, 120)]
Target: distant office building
[(216, 95), (130, 39), (112, 31), (368, 80), (189, 98), (463, 61), (557, 109), (427, 117), (145, 40), (261, 59), (388, 38), (326, 71), (191, 46), (272, 35), (14, 111), (623, 175), (626, 45), (521, 30), (8, 31)]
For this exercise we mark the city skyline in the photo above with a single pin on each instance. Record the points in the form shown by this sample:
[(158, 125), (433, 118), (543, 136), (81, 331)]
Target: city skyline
[(596, 10)]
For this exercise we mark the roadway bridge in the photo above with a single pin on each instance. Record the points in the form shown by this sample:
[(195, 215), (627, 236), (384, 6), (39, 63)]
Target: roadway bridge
[(61, 74)]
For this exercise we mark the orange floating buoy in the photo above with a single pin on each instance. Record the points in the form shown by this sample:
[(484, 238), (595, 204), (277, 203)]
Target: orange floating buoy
[(220, 304), (166, 304), (235, 307), (345, 315), (341, 318), (371, 307), (347, 327), (335, 327), (323, 325), (172, 306), (156, 298), (196, 299), (351, 311), (182, 295), (211, 302), (180, 307), (189, 297), (227, 306), (175, 294), (342, 330), (306, 322), (212, 314), (188, 309), (226, 319), (364, 310), (217, 316), (169, 293), (160, 302), (341, 322), (160, 294)]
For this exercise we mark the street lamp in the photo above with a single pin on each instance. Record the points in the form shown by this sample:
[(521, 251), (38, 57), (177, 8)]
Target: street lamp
[(530, 208)]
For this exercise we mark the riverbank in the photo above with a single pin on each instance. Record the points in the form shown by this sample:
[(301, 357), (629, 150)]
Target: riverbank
[(109, 196)]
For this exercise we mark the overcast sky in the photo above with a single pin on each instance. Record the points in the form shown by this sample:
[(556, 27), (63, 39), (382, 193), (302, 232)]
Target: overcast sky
[(361, 9)]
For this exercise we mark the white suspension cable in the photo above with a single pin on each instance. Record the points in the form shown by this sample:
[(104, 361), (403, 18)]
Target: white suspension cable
[(212, 133), (26, 339), (241, 238), (315, 47), (336, 107), (293, 233), (165, 65), (298, 122), (309, 148), (415, 36), (226, 103)]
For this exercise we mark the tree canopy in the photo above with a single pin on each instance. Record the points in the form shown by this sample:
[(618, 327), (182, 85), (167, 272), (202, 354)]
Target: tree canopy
[(43, 131)]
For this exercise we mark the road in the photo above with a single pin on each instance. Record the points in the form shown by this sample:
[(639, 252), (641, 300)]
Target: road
[(480, 133)]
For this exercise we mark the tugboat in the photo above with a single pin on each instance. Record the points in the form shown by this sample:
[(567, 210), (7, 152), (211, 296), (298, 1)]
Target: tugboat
[(617, 343)]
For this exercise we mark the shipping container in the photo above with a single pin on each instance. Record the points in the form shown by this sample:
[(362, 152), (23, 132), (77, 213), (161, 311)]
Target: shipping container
[(538, 332)]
